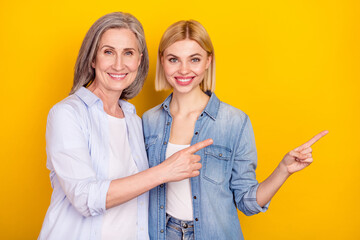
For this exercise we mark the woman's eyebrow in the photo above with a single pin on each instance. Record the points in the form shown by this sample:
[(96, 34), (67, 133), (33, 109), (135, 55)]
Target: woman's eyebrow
[(125, 49), (171, 55), (192, 55), (108, 46), (196, 54)]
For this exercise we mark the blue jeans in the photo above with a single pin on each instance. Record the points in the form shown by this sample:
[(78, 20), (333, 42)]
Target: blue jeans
[(179, 230)]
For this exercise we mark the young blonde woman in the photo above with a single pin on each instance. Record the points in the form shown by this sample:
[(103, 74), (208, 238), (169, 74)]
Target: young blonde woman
[(204, 207)]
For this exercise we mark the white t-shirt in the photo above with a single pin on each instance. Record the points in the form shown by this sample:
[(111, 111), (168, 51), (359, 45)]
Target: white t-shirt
[(120, 222), (178, 194)]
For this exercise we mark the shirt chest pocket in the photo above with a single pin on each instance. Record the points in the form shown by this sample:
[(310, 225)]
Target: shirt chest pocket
[(216, 163), (150, 149)]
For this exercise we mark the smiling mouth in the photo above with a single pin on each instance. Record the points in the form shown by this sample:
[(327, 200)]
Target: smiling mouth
[(117, 76), (184, 79)]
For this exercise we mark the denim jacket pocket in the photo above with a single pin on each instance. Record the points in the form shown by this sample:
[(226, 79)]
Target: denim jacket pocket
[(150, 148), (216, 163)]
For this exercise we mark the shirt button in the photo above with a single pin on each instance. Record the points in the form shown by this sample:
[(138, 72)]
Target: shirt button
[(161, 206), (220, 155), (168, 123), (194, 197), (196, 133), (202, 115), (161, 185), (162, 230), (196, 219), (165, 143)]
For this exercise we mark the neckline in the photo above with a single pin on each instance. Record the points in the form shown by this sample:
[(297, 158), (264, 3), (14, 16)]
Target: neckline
[(115, 118), (179, 145)]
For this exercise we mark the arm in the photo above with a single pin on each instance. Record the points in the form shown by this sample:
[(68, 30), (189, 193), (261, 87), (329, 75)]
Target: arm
[(243, 178), (294, 161), (181, 165), (68, 156)]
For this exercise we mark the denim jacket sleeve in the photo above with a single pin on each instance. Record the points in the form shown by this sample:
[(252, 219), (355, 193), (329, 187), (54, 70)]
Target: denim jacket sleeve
[(244, 183), (69, 161)]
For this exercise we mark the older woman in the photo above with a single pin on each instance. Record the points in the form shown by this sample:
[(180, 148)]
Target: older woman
[(94, 141), (204, 207)]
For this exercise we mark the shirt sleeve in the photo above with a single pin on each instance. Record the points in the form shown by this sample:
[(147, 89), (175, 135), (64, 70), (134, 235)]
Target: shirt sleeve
[(69, 157), (244, 183)]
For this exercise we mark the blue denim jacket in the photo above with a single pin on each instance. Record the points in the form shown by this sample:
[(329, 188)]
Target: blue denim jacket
[(227, 178)]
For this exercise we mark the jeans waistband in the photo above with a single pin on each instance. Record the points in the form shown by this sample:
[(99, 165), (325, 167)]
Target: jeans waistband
[(180, 223)]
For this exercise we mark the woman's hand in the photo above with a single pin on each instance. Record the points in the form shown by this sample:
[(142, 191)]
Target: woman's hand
[(183, 164), (294, 161), (300, 157)]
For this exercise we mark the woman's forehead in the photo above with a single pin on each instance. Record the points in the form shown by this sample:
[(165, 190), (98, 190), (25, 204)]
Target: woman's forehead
[(184, 47)]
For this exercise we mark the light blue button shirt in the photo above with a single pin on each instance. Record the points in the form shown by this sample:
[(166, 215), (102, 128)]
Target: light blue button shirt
[(227, 178), (77, 146)]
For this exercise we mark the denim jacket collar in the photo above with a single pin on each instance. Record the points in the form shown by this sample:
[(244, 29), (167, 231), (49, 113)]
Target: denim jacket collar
[(89, 98), (166, 104), (211, 109)]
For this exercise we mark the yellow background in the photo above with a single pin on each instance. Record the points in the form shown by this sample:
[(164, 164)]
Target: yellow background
[(292, 66)]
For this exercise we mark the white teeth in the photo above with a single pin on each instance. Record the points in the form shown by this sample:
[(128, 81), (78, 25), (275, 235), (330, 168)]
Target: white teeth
[(184, 79), (117, 76)]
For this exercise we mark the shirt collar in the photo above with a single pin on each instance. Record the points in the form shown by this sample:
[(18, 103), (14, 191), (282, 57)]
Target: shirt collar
[(211, 109), (90, 99), (165, 105), (127, 107), (87, 96)]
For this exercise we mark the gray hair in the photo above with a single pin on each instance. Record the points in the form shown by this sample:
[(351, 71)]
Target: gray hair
[(85, 73)]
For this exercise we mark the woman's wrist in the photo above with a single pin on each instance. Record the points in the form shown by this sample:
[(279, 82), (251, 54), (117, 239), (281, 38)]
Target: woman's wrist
[(282, 169), (158, 173)]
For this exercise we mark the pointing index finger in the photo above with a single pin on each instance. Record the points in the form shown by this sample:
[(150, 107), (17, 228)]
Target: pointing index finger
[(315, 139), (200, 145)]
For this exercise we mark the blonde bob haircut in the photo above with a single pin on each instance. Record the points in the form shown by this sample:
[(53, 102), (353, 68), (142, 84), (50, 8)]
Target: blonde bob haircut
[(182, 30), (85, 74)]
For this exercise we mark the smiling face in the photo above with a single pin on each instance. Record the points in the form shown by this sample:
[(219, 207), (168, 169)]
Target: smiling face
[(185, 63), (117, 61)]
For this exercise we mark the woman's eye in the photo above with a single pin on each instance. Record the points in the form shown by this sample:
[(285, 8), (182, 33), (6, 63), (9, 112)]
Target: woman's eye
[(173, 60), (195, 60), (129, 53), (107, 52)]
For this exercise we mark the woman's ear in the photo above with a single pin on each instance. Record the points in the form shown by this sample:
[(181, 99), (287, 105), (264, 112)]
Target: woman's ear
[(140, 58), (162, 60), (209, 59)]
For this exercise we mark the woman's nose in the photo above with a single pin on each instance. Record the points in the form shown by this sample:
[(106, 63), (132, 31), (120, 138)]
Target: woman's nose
[(118, 63), (184, 68)]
